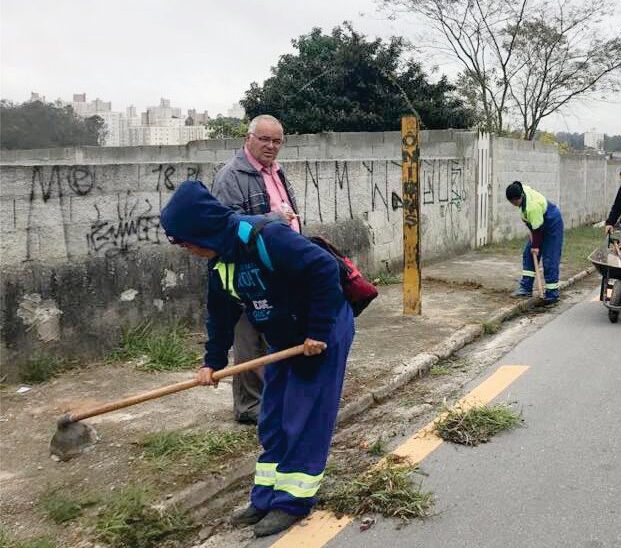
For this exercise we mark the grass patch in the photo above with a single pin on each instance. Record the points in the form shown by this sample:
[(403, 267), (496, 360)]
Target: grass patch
[(165, 349), (61, 508), (439, 370), (39, 542), (577, 245), (489, 328), (386, 278), (478, 424), (42, 368), (130, 521), (195, 451), (377, 448), (388, 490)]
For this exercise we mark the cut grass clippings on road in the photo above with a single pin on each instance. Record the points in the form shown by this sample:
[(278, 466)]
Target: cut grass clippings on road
[(389, 490), (190, 452), (477, 424), (129, 520), (165, 349)]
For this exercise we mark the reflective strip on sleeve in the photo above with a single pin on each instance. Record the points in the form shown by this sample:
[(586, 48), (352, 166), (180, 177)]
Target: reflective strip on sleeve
[(298, 484), (528, 273), (265, 474), (227, 280)]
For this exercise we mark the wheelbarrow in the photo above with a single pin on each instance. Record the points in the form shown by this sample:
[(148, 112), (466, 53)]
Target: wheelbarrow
[(607, 260)]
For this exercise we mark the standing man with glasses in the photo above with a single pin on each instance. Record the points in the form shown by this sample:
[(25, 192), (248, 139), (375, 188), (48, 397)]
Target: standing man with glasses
[(252, 182)]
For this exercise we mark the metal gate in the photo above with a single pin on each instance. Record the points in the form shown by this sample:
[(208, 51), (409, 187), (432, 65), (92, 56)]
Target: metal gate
[(483, 189)]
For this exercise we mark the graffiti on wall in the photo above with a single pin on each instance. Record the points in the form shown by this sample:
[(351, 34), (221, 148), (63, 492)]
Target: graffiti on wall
[(137, 223), (99, 214)]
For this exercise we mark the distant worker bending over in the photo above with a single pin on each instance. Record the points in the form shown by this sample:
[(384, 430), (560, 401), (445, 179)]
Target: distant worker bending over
[(544, 220)]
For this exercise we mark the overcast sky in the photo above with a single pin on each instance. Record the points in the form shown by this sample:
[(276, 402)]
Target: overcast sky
[(201, 54)]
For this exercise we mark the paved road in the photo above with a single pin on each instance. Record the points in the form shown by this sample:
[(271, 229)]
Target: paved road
[(554, 483)]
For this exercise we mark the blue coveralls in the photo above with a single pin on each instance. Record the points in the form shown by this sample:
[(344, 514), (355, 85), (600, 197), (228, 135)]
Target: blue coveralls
[(551, 247), (291, 291), (300, 398)]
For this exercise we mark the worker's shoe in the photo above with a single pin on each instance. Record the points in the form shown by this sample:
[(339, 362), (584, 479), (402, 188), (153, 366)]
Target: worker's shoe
[(522, 292), (551, 296), (275, 522), (247, 516), (247, 418)]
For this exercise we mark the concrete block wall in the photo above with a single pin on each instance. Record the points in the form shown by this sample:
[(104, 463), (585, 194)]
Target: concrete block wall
[(535, 164), (81, 241)]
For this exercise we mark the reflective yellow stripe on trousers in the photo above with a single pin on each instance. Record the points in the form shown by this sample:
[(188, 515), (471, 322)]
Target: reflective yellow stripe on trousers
[(298, 484), (265, 474)]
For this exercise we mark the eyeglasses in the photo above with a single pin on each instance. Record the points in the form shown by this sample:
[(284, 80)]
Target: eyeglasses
[(267, 140)]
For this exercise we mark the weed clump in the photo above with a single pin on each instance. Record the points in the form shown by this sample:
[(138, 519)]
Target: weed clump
[(388, 490), (61, 508), (157, 350), (130, 521), (477, 424), (6, 541), (42, 368), (194, 451)]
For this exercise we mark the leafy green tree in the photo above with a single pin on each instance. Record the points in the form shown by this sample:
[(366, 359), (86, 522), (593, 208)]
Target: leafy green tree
[(224, 127), (46, 125), (344, 82)]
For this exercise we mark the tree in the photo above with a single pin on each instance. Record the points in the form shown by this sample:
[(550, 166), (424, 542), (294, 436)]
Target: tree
[(344, 82), (45, 125), (224, 127), (524, 58), (612, 143)]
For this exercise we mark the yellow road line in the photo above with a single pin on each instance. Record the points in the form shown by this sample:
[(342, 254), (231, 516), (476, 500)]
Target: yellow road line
[(313, 532), (321, 527)]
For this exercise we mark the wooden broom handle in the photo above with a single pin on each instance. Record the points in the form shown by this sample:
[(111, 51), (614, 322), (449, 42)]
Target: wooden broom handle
[(184, 385), (538, 274)]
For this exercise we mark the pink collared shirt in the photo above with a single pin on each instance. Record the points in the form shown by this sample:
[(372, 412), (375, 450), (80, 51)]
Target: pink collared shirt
[(275, 189)]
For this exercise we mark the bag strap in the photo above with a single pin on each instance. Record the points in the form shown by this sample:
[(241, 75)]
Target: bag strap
[(251, 240)]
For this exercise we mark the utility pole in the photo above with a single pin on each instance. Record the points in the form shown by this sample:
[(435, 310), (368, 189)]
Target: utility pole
[(410, 152)]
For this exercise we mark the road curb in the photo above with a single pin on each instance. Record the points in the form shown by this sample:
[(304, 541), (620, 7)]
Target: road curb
[(199, 494)]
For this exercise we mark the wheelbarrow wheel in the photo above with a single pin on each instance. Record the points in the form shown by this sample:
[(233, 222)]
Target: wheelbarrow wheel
[(615, 300)]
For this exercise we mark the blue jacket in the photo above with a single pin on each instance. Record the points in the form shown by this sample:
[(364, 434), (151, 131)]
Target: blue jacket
[(291, 293)]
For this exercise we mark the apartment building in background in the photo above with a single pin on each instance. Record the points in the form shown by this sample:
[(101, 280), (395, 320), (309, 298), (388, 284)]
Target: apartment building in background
[(159, 125)]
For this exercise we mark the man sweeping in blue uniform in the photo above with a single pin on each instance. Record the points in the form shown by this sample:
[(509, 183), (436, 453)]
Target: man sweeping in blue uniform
[(290, 290), (544, 220)]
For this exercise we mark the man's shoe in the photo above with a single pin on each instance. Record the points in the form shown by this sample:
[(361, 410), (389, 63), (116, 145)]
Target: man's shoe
[(520, 292), (247, 516), (275, 522), (247, 418)]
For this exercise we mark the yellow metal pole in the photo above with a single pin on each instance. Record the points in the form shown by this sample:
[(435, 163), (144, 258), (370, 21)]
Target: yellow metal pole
[(410, 150)]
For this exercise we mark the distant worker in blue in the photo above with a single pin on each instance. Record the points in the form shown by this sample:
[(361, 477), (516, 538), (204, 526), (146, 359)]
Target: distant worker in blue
[(545, 222), (290, 289)]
